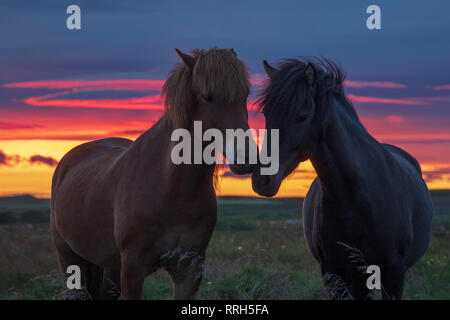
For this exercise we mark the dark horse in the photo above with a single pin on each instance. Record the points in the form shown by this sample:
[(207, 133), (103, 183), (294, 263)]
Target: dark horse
[(368, 196), (122, 209)]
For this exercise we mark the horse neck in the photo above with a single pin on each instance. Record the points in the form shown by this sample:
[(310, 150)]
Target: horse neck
[(157, 141), (341, 157)]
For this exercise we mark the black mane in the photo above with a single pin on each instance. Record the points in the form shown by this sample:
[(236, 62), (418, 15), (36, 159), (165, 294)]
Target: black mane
[(289, 91)]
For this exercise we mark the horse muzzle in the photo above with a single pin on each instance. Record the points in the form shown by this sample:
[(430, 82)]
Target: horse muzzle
[(265, 185)]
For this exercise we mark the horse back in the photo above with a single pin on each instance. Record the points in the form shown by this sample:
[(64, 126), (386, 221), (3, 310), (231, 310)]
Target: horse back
[(88, 156), (402, 153)]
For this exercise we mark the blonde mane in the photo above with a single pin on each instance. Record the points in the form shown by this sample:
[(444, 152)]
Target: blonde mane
[(216, 72)]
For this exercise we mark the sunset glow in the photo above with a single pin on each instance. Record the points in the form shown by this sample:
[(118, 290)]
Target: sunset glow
[(67, 121), (60, 88)]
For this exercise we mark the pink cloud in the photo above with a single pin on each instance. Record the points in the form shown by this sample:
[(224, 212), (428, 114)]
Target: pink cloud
[(13, 126), (154, 102), (395, 119), (410, 101), (92, 85), (139, 103), (257, 79), (374, 84), (442, 87), (437, 99)]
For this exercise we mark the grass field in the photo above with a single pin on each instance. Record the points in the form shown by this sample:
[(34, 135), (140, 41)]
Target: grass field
[(257, 252)]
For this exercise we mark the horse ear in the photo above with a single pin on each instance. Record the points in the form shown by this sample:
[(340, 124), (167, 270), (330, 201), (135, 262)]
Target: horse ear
[(234, 52), (310, 75), (271, 71), (188, 60)]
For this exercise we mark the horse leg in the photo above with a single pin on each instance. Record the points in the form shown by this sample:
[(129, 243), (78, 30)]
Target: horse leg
[(91, 274), (110, 289), (186, 277), (392, 281), (93, 279), (132, 275), (359, 288), (335, 285)]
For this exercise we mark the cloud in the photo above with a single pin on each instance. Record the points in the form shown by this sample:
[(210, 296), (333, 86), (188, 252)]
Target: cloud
[(258, 79), (435, 99), (92, 85), (395, 119), (135, 103), (442, 87), (151, 102), (12, 126), (126, 132), (433, 172), (155, 102), (12, 160), (403, 101), (43, 160), (374, 84), (8, 160), (419, 141), (3, 159)]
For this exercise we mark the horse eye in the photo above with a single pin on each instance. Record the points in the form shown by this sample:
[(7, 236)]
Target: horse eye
[(302, 117), (208, 98)]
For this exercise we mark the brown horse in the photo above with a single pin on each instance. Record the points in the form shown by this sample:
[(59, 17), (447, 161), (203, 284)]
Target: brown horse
[(122, 209)]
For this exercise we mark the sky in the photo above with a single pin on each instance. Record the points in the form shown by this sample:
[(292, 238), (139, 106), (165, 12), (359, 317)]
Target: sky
[(60, 87)]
